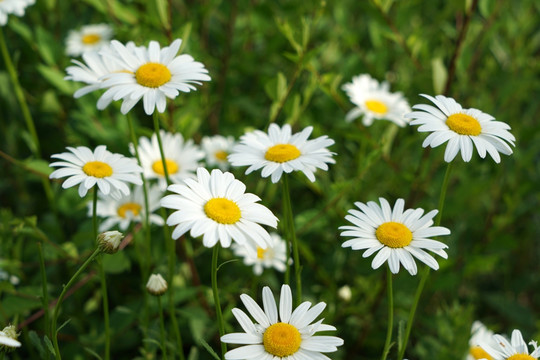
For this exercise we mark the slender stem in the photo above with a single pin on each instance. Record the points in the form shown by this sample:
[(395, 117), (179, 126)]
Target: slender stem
[(390, 315), (426, 271), (61, 298), (160, 143), (291, 233), (285, 219), (45, 296), (219, 315), (162, 327)]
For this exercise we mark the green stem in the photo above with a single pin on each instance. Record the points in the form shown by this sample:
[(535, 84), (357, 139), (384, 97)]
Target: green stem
[(426, 271), (162, 327), (390, 315), (160, 144), (171, 244), (219, 315), (291, 234), (61, 298), (45, 296)]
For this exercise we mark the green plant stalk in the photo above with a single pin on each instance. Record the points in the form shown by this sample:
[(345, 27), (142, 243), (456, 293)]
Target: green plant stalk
[(390, 314), (291, 233), (219, 315), (61, 298), (426, 271), (45, 295), (285, 220), (162, 328)]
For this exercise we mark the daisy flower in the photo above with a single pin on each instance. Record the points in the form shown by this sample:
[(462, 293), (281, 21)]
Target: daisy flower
[(151, 74), (479, 333), (15, 7), (86, 167), (8, 338), (279, 151), (124, 209), (374, 101), (290, 337), (88, 38), (275, 256), (397, 235), (182, 157), (462, 128), (516, 349), (217, 148), (217, 207)]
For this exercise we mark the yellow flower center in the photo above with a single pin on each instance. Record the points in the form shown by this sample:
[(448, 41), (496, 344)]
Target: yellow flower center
[(282, 153), (464, 124), (478, 353), (130, 206), (97, 169), (221, 155), (376, 106), (260, 253), (90, 39), (521, 357), (172, 167), (223, 211), (393, 234), (281, 339), (152, 75)]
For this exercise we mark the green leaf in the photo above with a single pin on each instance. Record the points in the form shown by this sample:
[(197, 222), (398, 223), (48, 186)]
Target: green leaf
[(209, 349), (93, 353), (116, 263), (161, 6), (56, 79), (22, 29), (63, 324), (39, 166), (46, 45), (49, 345), (440, 75), (34, 338)]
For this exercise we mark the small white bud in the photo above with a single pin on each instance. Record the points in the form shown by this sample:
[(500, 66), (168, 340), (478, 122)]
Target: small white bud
[(156, 285), (8, 338), (109, 241), (345, 293)]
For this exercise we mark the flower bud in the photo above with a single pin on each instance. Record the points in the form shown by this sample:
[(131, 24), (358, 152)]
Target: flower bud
[(156, 285), (345, 293), (8, 338), (109, 241)]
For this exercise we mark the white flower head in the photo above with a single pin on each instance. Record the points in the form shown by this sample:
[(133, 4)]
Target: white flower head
[(274, 256), (461, 128), (396, 235), (8, 338), (217, 207), (109, 241), (374, 101), (156, 285), (289, 337), (151, 74), (88, 38), (181, 157), (15, 7), (479, 333), (86, 167), (217, 148), (280, 151), (516, 349)]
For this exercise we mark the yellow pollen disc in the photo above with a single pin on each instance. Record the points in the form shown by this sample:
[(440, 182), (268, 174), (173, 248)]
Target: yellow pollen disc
[(130, 206), (223, 211), (282, 153), (281, 339), (464, 124), (152, 75), (172, 167), (260, 253), (221, 155), (90, 39), (376, 106), (393, 234), (521, 357), (478, 353), (97, 169)]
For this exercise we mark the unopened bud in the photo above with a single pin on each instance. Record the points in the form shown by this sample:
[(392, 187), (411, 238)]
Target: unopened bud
[(345, 293), (156, 285), (109, 241)]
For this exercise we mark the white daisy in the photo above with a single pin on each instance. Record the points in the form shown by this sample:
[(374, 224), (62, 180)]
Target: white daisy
[(279, 151), (290, 337), (182, 157), (397, 235), (15, 7), (516, 349), (8, 338), (275, 256), (374, 101), (479, 333), (461, 128), (151, 74), (124, 209), (217, 207), (88, 38), (109, 171), (217, 148)]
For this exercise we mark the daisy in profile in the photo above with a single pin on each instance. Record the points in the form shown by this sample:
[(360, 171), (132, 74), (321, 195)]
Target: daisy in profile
[(516, 349), (87, 168), (216, 207), (291, 336), (280, 151), (275, 256), (182, 157), (88, 38), (448, 121), (151, 74), (480, 333), (8, 339), (397, 236), (125, 209), (217, 148), (374, 101), (15, 7)]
